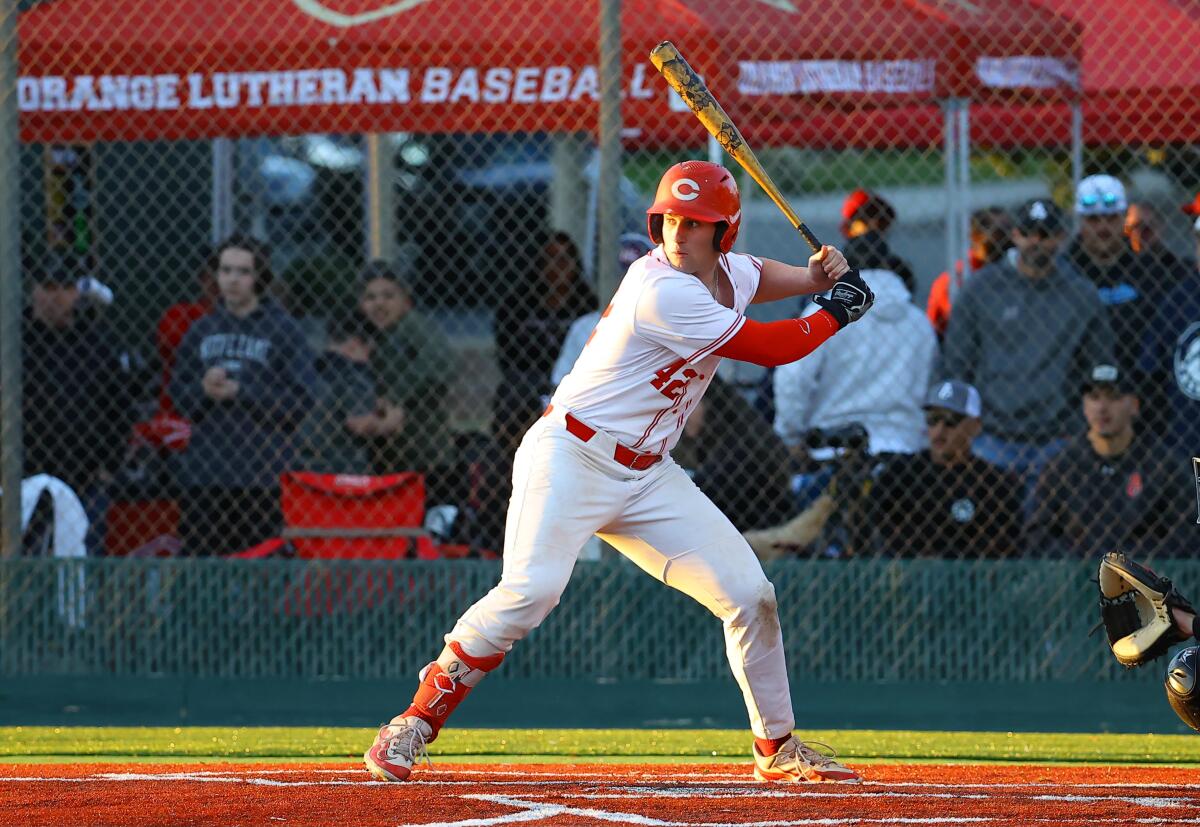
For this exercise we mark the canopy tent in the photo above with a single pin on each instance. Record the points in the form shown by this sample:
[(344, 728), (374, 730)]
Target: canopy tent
[(1128, 91), (98, 70)]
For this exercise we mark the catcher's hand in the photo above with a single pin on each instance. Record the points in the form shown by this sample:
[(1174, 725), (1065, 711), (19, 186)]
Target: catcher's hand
[(1135, 610)]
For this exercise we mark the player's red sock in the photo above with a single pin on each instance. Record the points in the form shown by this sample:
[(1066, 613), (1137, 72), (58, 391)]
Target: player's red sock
[(446, 681), (770, 746)]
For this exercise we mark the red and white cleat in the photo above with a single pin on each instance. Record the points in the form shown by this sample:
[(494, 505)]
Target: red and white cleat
[(397, 747), (797, 762)]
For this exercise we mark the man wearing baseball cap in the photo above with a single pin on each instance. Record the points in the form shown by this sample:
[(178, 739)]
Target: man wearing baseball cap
[(944, 501), (867, 217), (1019, 333), (1114, 487), (77, 403), (1127, 285)]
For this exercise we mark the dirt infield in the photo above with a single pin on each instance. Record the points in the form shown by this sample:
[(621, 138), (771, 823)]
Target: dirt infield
[(50, 795)]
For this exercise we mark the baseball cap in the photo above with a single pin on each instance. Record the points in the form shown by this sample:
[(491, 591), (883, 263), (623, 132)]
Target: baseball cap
[(1040, 214), (1192, 207), (1100, 195), (870, 204), (955, 395), (1109, 375)]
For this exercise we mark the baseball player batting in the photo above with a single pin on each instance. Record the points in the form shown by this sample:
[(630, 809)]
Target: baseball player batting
[(598, 462)]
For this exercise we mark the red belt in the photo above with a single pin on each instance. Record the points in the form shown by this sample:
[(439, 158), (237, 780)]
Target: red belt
[(626, 456)]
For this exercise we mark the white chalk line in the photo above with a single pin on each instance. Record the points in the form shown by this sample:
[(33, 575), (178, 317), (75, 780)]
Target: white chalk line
[(527, 807)]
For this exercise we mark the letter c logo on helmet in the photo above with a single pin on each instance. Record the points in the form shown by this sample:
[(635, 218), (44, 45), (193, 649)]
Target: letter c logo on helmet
[(685, 189)]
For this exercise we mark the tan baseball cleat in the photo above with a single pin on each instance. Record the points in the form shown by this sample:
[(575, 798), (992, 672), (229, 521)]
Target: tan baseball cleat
[(799, 763)]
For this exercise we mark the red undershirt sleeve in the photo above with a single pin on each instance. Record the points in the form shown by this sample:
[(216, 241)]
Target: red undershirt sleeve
[(776, 343)]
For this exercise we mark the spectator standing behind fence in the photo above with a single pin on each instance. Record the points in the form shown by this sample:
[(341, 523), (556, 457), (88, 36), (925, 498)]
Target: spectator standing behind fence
[(1145, 228), (531, 325), (991, 239), (175, 321), (944, 501), (1114, 488), (1173, 348), (243, 375), (847, 381), (412, 364), (867, 218), (735, 459), (1021, 332), (335, 437), (76, 405), (1126, 283)]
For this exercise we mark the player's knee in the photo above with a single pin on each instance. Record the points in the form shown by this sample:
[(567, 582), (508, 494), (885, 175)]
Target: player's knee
[(536, 597), (754, 604)]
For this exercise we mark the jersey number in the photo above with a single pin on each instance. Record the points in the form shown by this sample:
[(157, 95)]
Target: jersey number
[(664, 381)]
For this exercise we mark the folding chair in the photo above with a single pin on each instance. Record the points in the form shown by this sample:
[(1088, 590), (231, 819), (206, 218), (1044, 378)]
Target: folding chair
[(351, 516)]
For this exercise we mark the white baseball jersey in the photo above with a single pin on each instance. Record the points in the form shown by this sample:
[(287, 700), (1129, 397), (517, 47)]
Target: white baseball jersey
[(652, 354)]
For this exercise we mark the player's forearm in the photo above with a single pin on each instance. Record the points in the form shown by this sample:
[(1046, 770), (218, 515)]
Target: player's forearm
[(784, 281), (776, 343)]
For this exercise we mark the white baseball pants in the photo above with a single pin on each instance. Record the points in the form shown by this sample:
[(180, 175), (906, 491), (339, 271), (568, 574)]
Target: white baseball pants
[(566, 490)]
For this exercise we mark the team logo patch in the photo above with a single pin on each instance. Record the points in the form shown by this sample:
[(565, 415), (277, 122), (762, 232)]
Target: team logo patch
[(963, 511), (685, 189), (1133, 486), (1187, 362)]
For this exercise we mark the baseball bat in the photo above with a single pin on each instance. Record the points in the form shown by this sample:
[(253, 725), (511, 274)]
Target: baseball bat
[(684, 80)]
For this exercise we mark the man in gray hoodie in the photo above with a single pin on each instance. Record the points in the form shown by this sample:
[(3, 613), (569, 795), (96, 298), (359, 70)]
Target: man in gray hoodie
[(1021, 334), (243, 377)]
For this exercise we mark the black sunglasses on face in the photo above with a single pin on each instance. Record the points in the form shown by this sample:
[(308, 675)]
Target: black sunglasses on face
[(950, 420)]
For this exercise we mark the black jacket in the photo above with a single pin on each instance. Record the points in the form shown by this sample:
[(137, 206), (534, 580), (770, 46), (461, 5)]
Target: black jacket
[(921, 509), (1138, 502), (77, 404)]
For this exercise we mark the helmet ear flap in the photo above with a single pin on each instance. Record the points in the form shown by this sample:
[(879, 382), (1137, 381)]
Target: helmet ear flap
[(719, 235), (654, 225)]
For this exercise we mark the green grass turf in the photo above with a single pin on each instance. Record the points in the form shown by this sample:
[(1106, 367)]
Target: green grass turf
[(23, 744)]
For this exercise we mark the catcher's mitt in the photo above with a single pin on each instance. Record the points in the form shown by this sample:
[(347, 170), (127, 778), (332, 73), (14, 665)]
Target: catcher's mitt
[(1135, 610)]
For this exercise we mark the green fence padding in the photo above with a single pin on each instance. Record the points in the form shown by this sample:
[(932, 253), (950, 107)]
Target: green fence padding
[(342, 641)]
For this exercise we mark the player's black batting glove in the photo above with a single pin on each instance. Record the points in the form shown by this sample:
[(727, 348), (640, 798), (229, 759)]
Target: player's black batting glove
[(849, 299)]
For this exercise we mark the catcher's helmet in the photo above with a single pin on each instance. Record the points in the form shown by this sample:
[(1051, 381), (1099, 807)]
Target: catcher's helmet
[(702, 191), (1183, 686)]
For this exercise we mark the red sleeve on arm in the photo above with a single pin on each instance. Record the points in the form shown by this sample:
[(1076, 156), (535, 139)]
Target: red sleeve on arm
[(776, 343)]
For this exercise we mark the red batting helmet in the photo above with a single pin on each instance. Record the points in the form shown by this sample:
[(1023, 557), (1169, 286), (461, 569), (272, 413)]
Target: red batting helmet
[(702, 191)]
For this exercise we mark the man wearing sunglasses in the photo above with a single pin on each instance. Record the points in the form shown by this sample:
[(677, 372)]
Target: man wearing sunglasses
[(1114, 488), (944, 501), (1128, 285), (1020, 332)]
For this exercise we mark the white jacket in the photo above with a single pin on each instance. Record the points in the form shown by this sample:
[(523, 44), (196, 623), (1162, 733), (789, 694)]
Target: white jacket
[(875, 372)]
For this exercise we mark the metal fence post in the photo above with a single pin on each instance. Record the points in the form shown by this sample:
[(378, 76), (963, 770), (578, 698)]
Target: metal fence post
[(10, 286), (608, 183)]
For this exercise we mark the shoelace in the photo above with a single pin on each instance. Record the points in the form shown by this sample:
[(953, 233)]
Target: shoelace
[(817, 759), (416, 746)]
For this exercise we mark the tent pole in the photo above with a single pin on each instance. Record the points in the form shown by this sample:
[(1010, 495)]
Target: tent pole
[(380, 201), (222, 190), (964, 183), (609, 178), (949, 150), (1076, 144), (10, 288)]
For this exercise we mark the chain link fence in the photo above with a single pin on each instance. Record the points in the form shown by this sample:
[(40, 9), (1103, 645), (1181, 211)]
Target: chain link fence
[(294, 276)]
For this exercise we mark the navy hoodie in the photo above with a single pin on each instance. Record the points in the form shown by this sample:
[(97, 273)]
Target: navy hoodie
[(1172, 347), (244, 442)]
